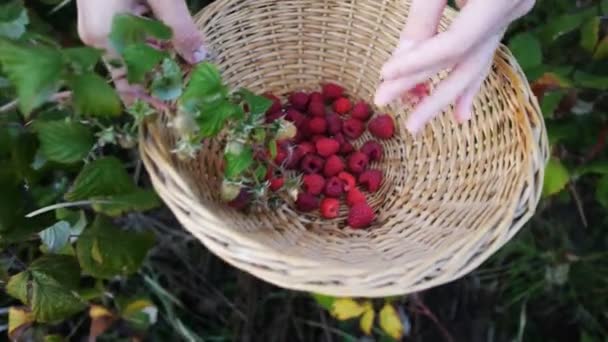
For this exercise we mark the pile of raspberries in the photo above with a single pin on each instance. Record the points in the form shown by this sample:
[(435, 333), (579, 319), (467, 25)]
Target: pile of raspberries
[(333, 169)]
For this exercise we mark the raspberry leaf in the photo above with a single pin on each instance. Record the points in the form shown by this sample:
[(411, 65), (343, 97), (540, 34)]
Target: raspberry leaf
[(140, 59), (64, 141), (103, 177), (258, 105), (237, 163), (128, 29), (94, 96), (13, 19), (167, 84)]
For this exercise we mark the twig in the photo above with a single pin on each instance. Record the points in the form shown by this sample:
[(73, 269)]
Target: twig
[(65, 205), (424, 310), (325, 326), (579, 204), (58, 97), (598, 147)]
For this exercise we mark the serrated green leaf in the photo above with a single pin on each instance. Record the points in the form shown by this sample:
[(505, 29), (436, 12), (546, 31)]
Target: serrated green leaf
[(13, 19), (556, 177), (35, 72), (167, 84), (564, 24), (119, 252), (526, 48), (237, 163), (258, 105), (94, 96), (62, 268), (551, 101), (212, 119), (139, 200), (140, 59), (82, 59), (56, 236), (64, 141), (587, 80), (102, 177), (204, 87), (590, 34), (129, 29)]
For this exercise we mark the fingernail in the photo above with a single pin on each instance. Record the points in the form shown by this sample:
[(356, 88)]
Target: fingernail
[(200, 54)]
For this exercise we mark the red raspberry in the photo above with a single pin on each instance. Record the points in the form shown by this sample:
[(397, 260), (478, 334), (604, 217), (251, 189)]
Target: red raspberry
[(327, 147), (349, 180), (281, 157), (334, 187), (373, 150), (361, 215), (346, 147), (313, 184), (334, 124), (241, 201), (312, 163), (305, 148), (333, 166), (355, 196), (382, 126), (357, 162), (317, 125), (276, 104), (269, 172), (332, 91), (295, 116), (316, 138), (307, 202), (353, 128), (316, 97), (361, 111), (277, 183), (342, 106), (330, 208), (371, 179), (299, 100), (316, 109)]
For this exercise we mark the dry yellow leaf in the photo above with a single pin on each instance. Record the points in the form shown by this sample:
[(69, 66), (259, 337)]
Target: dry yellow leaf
[(98, 311), (346, 308), (367, 320), (390, 322), (19, 319)]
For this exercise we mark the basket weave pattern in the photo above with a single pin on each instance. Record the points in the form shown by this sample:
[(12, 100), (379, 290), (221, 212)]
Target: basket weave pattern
[(451, 197)]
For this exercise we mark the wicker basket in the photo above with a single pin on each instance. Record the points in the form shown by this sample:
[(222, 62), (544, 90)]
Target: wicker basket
[(452, 196)]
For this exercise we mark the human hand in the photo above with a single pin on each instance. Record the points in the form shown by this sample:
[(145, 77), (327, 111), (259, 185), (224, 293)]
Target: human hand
[(466, 48), (95, 23)]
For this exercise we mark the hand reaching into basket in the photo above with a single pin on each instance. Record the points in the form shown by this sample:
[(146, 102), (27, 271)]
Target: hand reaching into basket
[(95, 23), (466, 48)]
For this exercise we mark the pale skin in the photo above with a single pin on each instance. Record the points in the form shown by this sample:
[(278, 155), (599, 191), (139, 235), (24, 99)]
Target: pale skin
[(466, 48)]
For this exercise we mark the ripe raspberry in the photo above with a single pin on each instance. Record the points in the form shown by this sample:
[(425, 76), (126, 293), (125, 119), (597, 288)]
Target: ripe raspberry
[(316, 109), (277, 183), (330, 208), (305, 148), (371, 179), (353, 128), (355, 196), (316, 138), (373, 150), (361, 111), (333, 166), (276, 104), (357, 162), (316, 97), (342, 106), (317, 125), (361, 215), (281, 157), (313, 184), (295, 116), (299, 100), (346, 147), (307, 202), (334, 187), (327, 147), (334, 124), (241, 201), (349, 180), (382, 126), (332, 91), (312, 163)]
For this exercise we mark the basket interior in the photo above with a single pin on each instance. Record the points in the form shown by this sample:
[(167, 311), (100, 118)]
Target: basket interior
[(445, 190)]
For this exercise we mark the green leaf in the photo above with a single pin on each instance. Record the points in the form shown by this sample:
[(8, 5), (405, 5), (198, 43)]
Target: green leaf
[(82, 59), (551, 101), (140, 59), (562, 25), (601, 52), (64, 141), (140, 312), (272, 147), (587, 80), (601, 191), (205, 86), (47, 287), (103, 177), (324, 301), (237, 163), (94, 96), (56, 236), (526, 48), (167, 84), (13, 19), (105, 251), (212, 119), (139, 200), (128, 29), (599, 167), (590, 34), (35, 72), (258, 105), (556, 177)]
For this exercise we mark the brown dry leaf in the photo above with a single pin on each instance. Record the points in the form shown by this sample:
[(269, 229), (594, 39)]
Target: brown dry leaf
[(19, 319), (101, 320)]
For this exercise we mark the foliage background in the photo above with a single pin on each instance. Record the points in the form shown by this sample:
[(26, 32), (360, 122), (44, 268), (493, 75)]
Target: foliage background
[(549, 284)]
